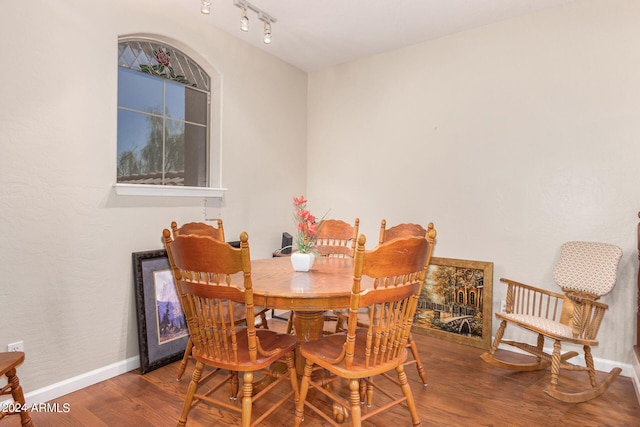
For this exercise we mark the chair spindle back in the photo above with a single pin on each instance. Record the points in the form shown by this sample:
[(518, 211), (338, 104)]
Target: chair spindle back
[(337, 238), (398, 270), (206, 274)]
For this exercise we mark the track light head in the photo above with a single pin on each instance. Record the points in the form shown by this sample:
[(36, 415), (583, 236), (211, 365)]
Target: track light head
[(244, 20), (267, 33), (205, 7)]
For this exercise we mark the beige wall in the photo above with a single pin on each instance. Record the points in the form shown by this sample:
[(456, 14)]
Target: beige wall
[(67, 287), (511, 138)]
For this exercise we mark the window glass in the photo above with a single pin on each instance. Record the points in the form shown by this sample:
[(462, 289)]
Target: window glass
[(163, 116), (139, 91), (175, 101), (194, 144), (195, 105), (135, 132)]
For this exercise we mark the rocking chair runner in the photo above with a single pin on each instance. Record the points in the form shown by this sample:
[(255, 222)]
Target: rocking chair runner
[(585, 272)]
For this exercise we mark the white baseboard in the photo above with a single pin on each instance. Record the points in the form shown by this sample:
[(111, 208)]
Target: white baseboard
[(78, 382)]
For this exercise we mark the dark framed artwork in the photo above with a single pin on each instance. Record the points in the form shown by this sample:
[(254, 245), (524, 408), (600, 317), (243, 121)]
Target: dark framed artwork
[(162, 329), (456, 302)]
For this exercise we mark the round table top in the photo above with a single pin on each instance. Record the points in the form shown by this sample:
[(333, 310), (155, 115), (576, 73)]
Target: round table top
[(326, 286)]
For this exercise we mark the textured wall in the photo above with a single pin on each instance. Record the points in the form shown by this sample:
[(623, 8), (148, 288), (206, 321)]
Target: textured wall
[(512, 138), (67, 286)]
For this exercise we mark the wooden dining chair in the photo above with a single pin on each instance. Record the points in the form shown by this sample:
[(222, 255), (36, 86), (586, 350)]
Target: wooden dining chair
[(217, 233), (404, 230), (9, 361), (336, 238), (206, 274), (585, 271), (203, 229), (395, 270), (387, 234), (200, 229), (401, 230)]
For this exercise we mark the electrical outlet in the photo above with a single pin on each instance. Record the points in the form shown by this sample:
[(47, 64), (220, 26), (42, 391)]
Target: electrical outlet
[(503, 306), (16, 346)]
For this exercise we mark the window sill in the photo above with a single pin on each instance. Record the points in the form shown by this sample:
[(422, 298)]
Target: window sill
[(167, 191)]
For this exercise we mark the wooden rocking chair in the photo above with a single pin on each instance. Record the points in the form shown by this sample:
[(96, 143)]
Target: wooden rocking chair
[(585, 272)]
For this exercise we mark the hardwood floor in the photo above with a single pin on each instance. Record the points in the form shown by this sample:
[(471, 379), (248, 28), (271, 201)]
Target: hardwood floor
[(463, 391)]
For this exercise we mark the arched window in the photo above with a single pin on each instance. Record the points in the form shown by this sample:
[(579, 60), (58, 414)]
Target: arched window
[(472, 298), (163, 116), (460, 298)]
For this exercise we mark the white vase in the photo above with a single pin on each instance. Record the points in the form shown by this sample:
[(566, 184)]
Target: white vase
[(302, 262)]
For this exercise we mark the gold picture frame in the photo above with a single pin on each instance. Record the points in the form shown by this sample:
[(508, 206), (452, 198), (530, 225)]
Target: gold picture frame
[(456, 302)]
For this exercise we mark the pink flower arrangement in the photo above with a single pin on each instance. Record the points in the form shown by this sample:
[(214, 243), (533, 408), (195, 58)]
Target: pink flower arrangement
[(308, 226)]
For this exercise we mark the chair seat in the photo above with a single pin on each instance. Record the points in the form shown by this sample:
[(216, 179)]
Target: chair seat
[(323, 351), (269, 341), (548, 327)]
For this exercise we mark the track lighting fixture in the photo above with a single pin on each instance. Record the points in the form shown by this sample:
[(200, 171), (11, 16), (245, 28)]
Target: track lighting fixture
[(205, 7), (244, 5), (244, 20), (267, 26), (267, 32)]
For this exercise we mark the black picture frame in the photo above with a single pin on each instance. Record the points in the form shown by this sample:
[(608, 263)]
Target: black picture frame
[(162, 333)]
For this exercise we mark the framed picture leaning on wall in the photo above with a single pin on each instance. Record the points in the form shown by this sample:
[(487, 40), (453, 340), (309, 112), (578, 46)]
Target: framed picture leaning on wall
[(162, 328), (456, 302)]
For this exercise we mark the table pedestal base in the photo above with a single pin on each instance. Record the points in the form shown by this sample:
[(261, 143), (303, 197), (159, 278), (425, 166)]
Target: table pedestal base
[(308, 326)]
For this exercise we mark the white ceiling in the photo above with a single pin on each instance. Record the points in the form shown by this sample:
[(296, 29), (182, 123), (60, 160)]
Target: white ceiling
[(315, 34)]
